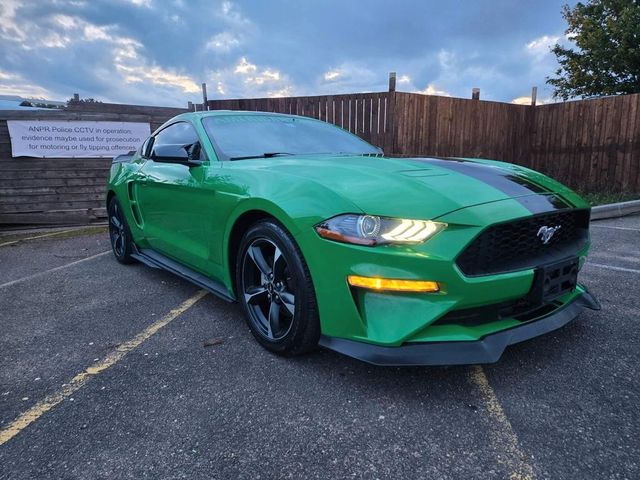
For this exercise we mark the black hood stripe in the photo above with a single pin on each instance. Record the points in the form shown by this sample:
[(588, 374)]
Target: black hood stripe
[(532, 196)]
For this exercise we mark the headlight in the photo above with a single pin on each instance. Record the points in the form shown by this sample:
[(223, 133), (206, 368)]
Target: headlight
[(373, 230)]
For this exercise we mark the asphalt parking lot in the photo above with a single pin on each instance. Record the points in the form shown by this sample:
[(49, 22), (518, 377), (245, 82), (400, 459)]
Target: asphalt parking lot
[(104, 373)]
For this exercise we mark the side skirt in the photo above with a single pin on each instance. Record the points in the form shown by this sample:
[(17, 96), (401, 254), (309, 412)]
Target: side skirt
[(154, 259)]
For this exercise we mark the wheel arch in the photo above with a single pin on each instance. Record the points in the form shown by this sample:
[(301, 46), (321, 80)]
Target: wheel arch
[(240, 226), (243, 219), (110, 195)]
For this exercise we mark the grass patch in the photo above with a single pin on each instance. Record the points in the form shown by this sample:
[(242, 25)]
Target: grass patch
[(82, 231), (603, 198)]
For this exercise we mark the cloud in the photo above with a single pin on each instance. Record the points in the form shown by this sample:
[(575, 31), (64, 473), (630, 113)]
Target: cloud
[(456, 73), (433, 90), (346, 78), (141, 3), (126, 56), (238, 29), (14, 84), (9, 29), (134, 68), (55, 40), (525, 100), (245, 79), (266, 76), (66, 22), (159, 51), (157, 76), (541, 46), (93, 32), (244, 66), (231, 15), (223, 42), (331, 75), (283, 92), (522, 101), (447, 59)]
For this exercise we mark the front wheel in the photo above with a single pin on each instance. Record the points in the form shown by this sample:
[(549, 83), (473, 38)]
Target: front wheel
[(119, 234), (275, 290)]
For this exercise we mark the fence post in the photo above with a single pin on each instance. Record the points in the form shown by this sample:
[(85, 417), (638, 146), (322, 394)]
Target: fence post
[(534, 96), (392, 81), (205, 106), (475, 94)]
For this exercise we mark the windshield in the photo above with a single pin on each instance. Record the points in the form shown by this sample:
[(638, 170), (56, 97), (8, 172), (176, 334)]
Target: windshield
[(257, 136)]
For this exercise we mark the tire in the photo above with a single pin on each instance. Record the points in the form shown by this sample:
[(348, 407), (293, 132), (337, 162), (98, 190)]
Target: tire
[(275, 290), (119, 233)]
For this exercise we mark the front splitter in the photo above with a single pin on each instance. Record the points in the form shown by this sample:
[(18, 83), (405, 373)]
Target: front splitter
[(489, 349)]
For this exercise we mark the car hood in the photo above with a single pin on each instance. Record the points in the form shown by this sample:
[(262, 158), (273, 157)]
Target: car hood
[(422, 187)]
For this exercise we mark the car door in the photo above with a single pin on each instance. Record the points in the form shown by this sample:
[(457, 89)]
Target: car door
[(174, 202)]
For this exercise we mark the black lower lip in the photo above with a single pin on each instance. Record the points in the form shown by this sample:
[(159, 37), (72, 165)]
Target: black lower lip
[(487, 350)]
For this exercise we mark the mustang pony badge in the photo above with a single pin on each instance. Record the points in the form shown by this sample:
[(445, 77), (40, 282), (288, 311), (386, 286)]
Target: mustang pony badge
[(545, 233)]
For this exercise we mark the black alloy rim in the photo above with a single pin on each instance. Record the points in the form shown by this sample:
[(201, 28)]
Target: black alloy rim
[(116, 230), (268, 289)]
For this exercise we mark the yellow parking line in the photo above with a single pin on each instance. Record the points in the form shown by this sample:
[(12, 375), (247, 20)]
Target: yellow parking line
[(13, 242), (39, 409), (35, 275), (504, 438)]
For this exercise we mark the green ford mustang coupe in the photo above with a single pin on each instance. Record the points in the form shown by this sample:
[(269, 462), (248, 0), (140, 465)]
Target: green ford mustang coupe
[(324, 241)]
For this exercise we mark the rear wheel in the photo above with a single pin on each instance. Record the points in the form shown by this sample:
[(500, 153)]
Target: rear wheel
[(275, 290), (119, 233)]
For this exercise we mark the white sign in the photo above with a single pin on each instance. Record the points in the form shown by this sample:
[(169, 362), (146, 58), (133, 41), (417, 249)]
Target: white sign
[(69, 139)]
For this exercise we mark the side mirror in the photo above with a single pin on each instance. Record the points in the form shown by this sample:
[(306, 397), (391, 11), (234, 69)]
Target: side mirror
[(174, 154)]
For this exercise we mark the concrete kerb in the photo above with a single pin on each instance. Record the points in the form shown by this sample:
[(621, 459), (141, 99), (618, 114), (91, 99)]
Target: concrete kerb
[(614, 210)]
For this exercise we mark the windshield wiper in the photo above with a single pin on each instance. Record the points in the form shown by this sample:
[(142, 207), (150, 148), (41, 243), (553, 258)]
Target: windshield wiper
[(264, 155)]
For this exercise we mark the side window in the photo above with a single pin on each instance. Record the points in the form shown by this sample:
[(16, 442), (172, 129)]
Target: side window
[(181, 133)]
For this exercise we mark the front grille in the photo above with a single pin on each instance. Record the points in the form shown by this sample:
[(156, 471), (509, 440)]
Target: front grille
[(515, 245)]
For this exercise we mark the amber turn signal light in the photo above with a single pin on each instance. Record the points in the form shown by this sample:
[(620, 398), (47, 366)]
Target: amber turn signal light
[(393, 285)]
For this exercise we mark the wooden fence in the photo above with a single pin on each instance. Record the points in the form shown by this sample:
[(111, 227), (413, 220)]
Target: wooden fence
[(589, 144), (369, 115), (61, 190)]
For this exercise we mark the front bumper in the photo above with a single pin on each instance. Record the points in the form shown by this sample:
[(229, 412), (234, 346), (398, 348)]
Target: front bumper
[(486, 350), (390, 319)]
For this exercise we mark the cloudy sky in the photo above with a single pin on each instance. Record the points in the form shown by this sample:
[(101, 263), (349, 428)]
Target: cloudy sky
[(159, 51)]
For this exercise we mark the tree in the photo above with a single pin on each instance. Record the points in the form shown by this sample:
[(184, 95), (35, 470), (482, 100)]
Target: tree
[(607, 60), (84, 100)]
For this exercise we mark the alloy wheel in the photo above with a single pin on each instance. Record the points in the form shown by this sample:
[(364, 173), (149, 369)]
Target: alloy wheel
[(117, 231), (268, 290)]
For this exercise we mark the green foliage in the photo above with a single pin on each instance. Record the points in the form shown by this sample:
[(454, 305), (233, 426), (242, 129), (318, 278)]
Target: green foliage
[(84, 100), (607, 58), (603, 198)]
